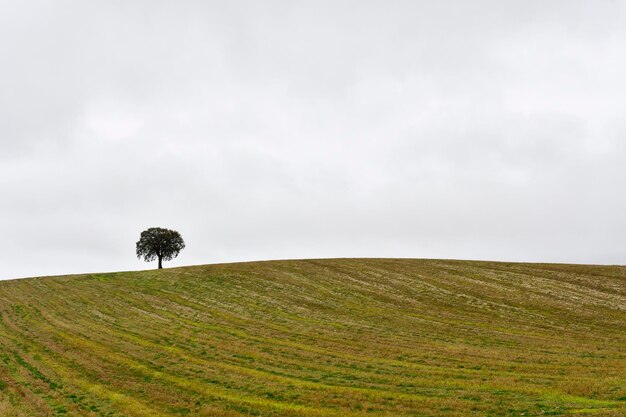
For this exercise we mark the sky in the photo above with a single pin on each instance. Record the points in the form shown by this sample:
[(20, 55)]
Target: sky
[(310, 129)]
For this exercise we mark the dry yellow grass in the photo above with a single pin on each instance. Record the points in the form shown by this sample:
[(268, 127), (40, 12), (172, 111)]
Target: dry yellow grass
[(349, 337)]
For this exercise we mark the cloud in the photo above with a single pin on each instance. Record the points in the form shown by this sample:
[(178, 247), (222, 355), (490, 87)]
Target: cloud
[(310, 129)]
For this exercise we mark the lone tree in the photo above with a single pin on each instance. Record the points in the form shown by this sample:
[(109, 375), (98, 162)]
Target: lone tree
[(159, 243)]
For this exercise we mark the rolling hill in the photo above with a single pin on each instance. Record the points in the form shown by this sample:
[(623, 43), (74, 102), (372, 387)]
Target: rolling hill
[(342, 337)]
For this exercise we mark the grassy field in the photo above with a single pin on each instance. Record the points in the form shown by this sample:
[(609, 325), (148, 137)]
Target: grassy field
[(349, 337)]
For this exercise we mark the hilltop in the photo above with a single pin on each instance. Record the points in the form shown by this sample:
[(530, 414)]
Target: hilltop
[(344, 337)]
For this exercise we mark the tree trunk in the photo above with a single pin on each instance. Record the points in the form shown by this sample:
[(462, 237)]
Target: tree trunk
[(160, 264)]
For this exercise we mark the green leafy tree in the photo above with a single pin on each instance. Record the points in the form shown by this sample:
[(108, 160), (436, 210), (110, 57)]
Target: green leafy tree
[(159, 243)]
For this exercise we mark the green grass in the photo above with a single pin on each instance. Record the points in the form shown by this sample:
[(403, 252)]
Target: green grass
[(349, 337)]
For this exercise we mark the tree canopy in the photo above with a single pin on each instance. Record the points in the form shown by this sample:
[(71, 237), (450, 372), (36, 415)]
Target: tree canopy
[(159, 243)]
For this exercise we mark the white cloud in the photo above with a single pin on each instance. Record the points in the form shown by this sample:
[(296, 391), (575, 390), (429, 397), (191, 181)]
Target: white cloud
[(485, 130)]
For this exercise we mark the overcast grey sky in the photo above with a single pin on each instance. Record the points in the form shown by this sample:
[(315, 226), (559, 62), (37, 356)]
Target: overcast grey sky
[(298, 129)]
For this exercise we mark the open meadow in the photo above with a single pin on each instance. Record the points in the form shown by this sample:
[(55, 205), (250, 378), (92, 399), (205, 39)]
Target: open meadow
[(342, 337)]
